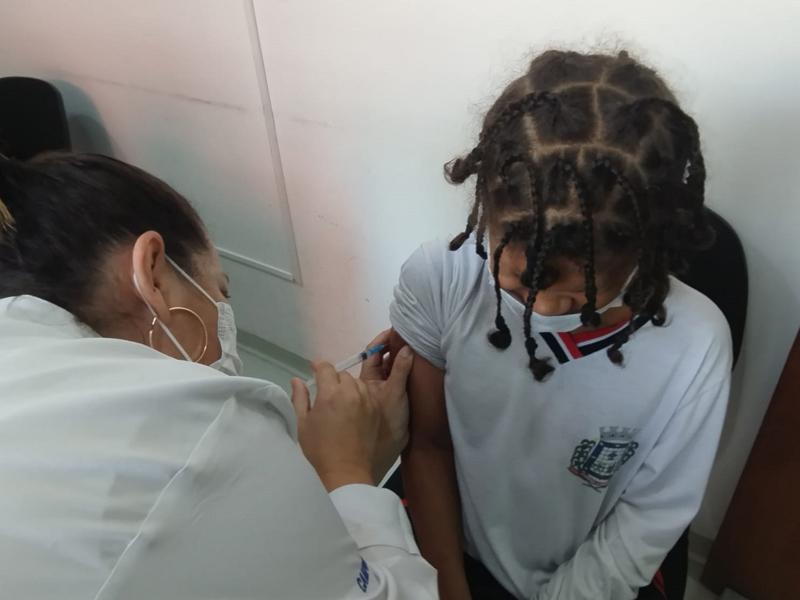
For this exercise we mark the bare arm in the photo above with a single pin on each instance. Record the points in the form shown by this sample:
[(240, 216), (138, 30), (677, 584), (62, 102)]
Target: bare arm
[(429, 478)]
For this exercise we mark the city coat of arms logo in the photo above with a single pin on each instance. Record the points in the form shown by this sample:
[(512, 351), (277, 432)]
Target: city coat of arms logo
[(596, 461)]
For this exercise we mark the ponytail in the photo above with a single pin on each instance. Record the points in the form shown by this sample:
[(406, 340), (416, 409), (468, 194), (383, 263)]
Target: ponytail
[(7, 221), (62, 214), (6, 218)]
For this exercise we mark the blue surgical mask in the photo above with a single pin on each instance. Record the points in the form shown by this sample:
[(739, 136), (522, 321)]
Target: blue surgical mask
[(229, 361)]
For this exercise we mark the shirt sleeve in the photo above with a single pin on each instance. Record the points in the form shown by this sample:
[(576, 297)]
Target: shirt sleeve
[(417, 312), (623, 553), (247, 517), (377, 521)]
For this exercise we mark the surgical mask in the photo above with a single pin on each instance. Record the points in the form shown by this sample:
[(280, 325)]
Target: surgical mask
[(569, 322), (559, 323), (229, 361)]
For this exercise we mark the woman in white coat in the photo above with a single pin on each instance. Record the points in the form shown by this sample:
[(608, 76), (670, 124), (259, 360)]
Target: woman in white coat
[(135, 462)]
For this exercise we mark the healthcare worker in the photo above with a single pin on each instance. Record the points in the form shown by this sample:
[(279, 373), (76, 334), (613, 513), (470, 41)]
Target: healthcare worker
[(135, 462)]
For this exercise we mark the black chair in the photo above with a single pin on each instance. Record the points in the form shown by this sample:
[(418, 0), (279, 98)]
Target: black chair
[(32, 118), (719, 272)]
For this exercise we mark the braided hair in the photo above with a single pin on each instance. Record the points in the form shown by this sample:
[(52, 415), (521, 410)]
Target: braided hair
[(595, 159)]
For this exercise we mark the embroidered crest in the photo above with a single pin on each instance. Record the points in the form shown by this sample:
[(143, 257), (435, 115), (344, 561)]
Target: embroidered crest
[(596, 461)]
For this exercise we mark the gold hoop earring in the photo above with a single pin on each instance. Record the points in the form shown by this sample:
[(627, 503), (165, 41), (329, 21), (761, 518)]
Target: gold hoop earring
[(196, 316)]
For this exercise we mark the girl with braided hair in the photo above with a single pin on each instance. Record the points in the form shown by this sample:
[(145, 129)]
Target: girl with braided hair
[(569, 392)]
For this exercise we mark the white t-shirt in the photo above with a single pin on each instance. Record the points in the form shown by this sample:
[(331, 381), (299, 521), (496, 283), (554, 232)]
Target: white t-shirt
[(128, 474), (576, 487)]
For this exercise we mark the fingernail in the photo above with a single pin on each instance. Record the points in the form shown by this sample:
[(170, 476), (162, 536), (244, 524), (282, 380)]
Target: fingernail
[(405, 352)]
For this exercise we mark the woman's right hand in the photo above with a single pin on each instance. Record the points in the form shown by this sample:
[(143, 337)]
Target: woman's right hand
[(339, 434)]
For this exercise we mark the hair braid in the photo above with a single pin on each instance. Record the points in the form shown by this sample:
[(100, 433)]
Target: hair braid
[(636, 295), (459, 170), (589, 315), (537, 210), (480, 234), (525, 105), (472, 219), (649, 305), (627, 189), (614, 353), (618, 125), (501, 337), (540, 367)]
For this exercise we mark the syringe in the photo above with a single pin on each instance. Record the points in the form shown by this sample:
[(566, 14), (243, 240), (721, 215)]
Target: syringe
[(347, 363)]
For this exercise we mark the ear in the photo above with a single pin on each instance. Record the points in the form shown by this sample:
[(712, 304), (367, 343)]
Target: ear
[(150, 270)]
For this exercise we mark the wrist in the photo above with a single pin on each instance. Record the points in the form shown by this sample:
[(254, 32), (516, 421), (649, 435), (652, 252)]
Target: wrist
[(452, 570), (454, 587), (345, 475)]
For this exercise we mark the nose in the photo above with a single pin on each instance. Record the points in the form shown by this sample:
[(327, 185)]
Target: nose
[(512, 283), (551, 304)]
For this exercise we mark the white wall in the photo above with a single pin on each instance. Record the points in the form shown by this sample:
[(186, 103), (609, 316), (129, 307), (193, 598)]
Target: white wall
[(184, 98), (371, 98)]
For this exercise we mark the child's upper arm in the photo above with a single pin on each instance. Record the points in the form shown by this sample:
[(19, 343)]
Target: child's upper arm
[(428, 419), (418, 311), (432, 287)]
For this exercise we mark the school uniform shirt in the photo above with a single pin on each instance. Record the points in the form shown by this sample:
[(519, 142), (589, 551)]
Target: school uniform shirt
[(128, 474), (575, 487)]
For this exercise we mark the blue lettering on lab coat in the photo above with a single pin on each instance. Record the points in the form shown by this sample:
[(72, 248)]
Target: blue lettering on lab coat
[(363, 576)]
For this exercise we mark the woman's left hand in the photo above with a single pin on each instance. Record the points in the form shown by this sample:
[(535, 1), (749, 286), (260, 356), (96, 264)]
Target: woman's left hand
[(386, 382)]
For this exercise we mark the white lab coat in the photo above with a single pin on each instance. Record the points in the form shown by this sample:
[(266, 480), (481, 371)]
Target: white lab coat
[(127, 474)]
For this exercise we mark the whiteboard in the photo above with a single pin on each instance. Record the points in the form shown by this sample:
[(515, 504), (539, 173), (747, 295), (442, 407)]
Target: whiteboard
[(177, 88)]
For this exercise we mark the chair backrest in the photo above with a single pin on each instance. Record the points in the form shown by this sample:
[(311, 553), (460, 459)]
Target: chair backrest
[(720, 272), (32, 118)]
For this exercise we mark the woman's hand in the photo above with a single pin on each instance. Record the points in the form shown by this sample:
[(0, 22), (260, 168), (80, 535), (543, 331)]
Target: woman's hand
[(357, 427), (386, 380), (339, 435)]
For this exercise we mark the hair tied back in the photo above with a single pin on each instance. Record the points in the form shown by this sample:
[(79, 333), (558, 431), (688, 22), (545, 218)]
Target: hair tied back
[(7, 222)]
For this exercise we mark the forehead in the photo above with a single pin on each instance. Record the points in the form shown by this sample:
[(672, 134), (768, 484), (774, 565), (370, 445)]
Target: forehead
[(571, 270), (553, 217)]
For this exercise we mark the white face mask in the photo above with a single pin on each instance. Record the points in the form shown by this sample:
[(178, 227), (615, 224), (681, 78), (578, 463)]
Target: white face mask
[(568, 322), (229, 361), (558, 323)]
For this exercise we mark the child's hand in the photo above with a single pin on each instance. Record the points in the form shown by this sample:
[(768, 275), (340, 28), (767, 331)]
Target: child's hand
[(386, 381)]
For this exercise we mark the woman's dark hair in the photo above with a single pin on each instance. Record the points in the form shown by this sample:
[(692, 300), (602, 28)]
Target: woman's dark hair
[(592, 158), (61, 214)]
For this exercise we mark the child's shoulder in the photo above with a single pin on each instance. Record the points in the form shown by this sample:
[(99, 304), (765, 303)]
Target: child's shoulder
[(435, 262), (436, 285), (695, 317)]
